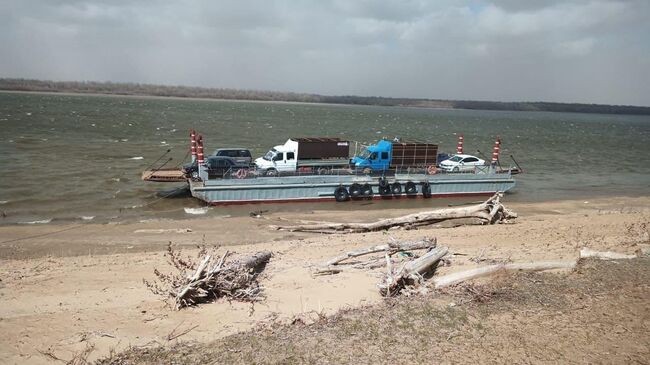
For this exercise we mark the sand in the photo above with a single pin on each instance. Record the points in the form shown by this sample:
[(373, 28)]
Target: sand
[(71, 286)]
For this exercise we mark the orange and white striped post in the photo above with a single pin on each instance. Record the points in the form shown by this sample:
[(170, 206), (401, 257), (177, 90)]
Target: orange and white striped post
[(459, 148), (193, 144), (199, 150), (495, 152)]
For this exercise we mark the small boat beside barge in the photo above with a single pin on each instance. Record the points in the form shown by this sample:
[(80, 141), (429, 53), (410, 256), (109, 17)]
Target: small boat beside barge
[(164, 175)]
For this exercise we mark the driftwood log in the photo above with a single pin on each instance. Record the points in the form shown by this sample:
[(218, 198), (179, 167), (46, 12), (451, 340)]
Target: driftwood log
[(459, 277), (489, 270), (411, 272), (237, 280), (606, 255), (336, 264), (489, 212)]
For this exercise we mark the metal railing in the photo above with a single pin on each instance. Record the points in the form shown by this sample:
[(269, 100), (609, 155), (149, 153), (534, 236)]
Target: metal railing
[(255, 173)]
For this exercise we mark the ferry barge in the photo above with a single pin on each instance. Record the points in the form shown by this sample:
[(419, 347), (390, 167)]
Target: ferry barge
[(252, 185)]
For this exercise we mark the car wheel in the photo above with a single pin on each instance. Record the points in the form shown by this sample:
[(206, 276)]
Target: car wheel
[(271, 172), (455, 169)]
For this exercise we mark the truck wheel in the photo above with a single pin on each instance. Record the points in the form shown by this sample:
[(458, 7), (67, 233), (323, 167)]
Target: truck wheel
[(366, 190), (411, 188), (341, 194), (396, 188), (322, 171), (271, 172), (355, 190), (426, 189), (383, 183), (367, 171)]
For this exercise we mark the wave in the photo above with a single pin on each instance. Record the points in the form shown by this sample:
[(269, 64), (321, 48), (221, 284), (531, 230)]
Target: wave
[(4, 202), (137, 158), (87, 217), (44, 221), (196, 211)]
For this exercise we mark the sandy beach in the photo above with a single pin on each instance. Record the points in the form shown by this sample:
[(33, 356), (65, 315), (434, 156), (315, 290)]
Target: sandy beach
[(64, 287)]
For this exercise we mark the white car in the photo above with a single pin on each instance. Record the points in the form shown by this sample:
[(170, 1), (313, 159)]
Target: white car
[(457, 163)]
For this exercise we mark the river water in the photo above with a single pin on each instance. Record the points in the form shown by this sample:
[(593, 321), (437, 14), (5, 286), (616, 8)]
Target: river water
[(78, 158)]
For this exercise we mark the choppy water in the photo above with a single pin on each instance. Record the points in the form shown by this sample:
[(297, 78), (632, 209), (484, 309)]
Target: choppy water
[(79, 158)]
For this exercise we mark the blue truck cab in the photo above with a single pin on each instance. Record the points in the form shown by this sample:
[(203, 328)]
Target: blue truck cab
[(376, 157), (387, 155)]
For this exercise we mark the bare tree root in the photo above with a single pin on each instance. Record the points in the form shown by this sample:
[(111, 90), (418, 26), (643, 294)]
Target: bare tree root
[(210, 279), (411, 273)]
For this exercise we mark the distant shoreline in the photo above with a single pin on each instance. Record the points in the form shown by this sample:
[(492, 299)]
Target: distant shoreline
[(157, 97), (199, 93)]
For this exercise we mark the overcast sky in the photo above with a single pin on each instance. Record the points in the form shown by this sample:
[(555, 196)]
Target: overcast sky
[(504, 50)]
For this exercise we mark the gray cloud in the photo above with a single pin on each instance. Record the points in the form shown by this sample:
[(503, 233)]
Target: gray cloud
[(573, 51)]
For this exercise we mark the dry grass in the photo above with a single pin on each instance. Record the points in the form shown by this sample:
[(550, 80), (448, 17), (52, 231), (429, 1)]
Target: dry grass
[(598, 313)]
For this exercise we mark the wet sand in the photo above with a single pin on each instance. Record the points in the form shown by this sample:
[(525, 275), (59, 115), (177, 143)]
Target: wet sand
[(68, 286)]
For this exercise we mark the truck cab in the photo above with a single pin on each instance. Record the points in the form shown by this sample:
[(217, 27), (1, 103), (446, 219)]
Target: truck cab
[(307, 154), (376, 157), (386, 155), (280, 158)]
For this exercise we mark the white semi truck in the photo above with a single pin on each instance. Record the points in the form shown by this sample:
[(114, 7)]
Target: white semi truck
[(305, 155)]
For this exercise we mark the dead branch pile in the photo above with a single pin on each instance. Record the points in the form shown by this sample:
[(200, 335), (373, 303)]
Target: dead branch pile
[(412, 268), (210, 278), (489, 212), (337, 264)]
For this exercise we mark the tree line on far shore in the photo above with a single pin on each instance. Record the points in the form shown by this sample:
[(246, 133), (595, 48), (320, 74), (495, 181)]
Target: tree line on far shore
[(113, 88)]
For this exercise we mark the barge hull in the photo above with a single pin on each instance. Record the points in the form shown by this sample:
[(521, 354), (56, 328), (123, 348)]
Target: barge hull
[(330, 199), (322, 188)]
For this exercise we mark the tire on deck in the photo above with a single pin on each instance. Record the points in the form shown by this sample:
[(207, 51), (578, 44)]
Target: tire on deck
[(355, 190), (426, 189), (396, 188), (366, 190), (384, 187), (410, 188), (341, 194)]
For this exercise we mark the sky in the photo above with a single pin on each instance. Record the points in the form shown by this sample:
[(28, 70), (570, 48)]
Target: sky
[(588, 51)]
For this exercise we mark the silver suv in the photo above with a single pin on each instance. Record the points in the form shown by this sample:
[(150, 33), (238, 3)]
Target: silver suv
[(240, 155)]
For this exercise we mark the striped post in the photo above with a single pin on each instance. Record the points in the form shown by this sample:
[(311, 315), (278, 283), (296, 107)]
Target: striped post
[(193, 144), (199, 149), (495, 152), (459, 148)]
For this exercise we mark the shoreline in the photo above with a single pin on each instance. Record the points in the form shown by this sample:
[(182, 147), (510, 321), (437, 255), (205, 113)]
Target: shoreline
[(243, 210), (62, 292), (28, 241)]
